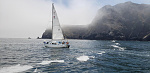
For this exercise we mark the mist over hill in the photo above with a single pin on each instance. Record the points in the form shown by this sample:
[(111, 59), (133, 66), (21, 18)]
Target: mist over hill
[(70, 32), (124, 21)]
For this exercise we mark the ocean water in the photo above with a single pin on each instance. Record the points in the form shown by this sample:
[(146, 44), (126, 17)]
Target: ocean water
[(87, 56)]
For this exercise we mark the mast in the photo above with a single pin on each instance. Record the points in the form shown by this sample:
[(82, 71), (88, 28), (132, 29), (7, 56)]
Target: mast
[(52, 19)]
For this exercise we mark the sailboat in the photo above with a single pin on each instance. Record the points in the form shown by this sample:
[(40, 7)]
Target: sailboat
[(58, 40)]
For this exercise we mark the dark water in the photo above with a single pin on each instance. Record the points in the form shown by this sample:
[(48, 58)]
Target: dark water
[(88, 56)]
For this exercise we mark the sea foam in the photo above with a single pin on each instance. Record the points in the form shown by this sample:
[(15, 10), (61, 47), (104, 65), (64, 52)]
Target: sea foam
[(15, 69), (120, 48), (101, 52), (48, 62), (117, 43), (113, 41), (83, 58), (35, 70)]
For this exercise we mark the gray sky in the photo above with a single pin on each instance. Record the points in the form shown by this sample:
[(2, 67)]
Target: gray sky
[(30, 18)]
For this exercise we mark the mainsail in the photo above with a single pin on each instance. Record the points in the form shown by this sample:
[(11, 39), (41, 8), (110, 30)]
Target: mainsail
[(58, 40), (56, 29)]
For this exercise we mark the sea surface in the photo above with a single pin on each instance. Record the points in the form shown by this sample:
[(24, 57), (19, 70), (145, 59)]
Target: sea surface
[(83, 56)]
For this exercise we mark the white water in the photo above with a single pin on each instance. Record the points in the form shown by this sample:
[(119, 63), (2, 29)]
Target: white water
[(48, 62), (117, 43), (120, 48), (113, 41), (35, 70), (15, 69), (83, 58), (101, 52), (91, 56)]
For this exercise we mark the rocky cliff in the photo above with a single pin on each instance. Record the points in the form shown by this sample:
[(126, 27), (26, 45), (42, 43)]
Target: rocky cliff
[(125, 21)]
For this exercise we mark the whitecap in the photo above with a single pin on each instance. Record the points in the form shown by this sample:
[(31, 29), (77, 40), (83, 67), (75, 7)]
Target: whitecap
[(120, 48), (45, 62), (48, 62), (91, 56), (15, 69), (113, 41), (101, 52), (83, 58), (35, 70), (117, 43)]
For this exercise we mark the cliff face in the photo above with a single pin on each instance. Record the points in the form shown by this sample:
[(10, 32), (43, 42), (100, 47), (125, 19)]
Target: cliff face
[(125, 21), (47, 34)]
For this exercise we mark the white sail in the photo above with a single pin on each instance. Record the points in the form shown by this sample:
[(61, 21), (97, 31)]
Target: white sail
[(58, 40), (56, 29)]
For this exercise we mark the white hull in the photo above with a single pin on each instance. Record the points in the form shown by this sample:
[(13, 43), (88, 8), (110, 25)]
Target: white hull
[(58, 40), (57, 46)]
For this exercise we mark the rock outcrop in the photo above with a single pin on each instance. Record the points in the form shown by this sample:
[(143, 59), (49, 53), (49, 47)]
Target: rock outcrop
[(125, 21)]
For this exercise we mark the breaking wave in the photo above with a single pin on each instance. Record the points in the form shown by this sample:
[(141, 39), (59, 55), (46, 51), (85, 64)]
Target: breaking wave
[(101, 52), (48, 62), (83, 58), (120, 48), (113, 41), (117, 43), (15, 69)]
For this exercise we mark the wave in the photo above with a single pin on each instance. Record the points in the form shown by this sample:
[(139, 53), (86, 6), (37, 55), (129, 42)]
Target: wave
[(101, 52), (117, 43), (113, 41), (15, 69), (120, 48), (83, 58), (48, 62), (91, 56), (35, 70)]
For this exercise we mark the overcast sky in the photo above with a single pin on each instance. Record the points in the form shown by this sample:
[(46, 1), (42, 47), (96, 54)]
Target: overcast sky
[(30, 18)]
